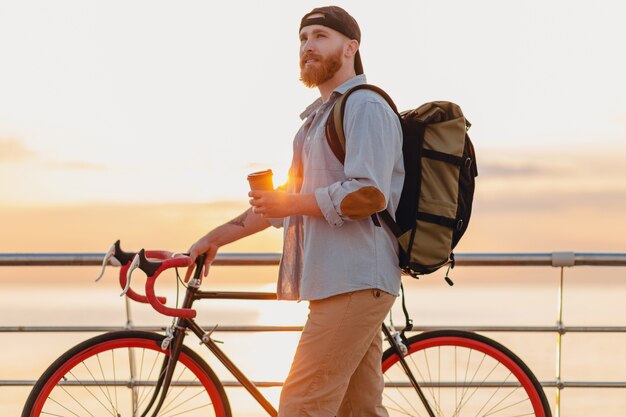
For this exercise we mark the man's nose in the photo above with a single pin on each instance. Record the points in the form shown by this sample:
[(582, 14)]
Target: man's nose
[(307, 46)]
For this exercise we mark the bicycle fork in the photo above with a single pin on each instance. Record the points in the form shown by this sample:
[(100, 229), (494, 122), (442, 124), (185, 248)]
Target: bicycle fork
[(398, 349), (175, 342)]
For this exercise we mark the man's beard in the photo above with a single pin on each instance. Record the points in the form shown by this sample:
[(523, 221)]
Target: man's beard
[(315, 75)]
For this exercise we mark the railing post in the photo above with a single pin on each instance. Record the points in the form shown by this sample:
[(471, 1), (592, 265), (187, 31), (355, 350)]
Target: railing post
[(560, 260), (559, 346), (129, 316)]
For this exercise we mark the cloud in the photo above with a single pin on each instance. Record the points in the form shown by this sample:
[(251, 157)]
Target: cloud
[(498, 170), (554, 201), (12, 150)]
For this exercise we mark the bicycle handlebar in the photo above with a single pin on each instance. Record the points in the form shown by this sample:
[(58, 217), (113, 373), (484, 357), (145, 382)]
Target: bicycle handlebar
[(118, 257), (165, 260), (152, 263)]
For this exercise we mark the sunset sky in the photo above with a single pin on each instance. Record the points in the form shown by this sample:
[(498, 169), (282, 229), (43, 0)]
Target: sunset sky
[(118, 116)]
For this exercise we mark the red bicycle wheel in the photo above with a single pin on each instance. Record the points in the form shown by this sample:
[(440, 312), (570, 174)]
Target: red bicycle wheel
[(461, 374), (115, 374)]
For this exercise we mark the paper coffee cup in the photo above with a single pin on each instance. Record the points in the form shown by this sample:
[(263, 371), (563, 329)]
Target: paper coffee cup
[(261, 181)]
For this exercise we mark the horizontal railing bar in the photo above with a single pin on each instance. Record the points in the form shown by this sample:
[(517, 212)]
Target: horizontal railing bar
[(545, 384), (585, 384), (95, 259), (512, 329), (27, 382), (78, 329), (261, 259), (392, 384)]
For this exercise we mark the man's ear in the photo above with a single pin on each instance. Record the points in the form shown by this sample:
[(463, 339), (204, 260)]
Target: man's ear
[(351, 48)]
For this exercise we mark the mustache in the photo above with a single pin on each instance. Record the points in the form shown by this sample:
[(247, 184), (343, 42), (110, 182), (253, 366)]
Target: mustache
[(309, 55)]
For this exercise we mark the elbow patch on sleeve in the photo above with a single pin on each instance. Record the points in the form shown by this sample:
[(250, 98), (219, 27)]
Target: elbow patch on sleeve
[(363, 203)]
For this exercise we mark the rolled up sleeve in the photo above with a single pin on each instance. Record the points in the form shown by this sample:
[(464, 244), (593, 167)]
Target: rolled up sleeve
[(325, 202), (373, 145), (277, 223)]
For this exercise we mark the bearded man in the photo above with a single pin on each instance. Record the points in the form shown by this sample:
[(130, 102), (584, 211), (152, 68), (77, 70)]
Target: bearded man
[(334, 255)]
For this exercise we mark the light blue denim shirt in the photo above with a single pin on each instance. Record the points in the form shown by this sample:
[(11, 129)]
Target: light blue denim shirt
[(344, 251)]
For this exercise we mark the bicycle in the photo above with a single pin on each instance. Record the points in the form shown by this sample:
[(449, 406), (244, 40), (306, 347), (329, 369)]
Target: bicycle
[(440, 373)]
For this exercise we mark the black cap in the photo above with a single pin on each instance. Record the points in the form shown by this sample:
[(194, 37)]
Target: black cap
[(338, 19)]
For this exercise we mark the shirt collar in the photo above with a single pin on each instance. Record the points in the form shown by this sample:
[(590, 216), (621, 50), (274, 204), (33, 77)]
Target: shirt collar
[(352, 82)]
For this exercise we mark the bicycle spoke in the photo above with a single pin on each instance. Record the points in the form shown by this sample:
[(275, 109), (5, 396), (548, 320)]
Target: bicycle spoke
[(465, 382), (143, 388), (62, 406), (93, 378), (183, 403), (152, 387), (506, 407), (108, 394), (418, 369), (494, 394), (402, 411), (439, 375), (456, 391), (480, 384), (491, 410), (90, 393), (175, 397), (468, 385), (53, 415), (132, 377), (189, 410), (114, 382), (430, 386), (405, 399)]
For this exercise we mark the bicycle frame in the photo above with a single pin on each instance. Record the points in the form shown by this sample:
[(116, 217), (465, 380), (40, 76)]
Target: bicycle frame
[(184, 319)]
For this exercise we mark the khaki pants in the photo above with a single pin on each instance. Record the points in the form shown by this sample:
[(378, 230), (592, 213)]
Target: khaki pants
[(336, 370)]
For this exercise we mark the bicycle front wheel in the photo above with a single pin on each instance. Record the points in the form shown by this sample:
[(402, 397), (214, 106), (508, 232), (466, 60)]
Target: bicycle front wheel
[(116, 374), (461, 374)]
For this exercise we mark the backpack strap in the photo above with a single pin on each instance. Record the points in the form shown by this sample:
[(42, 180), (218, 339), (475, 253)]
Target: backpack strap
[(334, 125), (408, 322), (444, 157), (393, 226), (337, 140)]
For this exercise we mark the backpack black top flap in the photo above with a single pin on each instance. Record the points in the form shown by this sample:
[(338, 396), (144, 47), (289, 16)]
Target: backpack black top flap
[(334, 125)]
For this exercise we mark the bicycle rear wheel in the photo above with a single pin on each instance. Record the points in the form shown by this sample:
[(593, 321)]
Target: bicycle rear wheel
[(461, 374), (115, 374)]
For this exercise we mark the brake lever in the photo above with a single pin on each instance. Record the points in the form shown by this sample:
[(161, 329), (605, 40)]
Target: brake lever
[(134, 265), (108, 257)]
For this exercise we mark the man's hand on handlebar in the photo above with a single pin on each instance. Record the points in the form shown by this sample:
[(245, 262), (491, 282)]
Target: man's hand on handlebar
[(202, 246)]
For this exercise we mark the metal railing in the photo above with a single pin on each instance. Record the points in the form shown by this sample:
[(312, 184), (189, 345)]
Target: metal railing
[(559, 260)]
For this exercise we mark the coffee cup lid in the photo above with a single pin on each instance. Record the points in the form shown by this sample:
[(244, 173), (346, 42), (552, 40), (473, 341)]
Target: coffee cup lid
[(260, 173)]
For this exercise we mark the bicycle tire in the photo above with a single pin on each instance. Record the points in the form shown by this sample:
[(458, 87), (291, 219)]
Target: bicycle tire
[(93, 378), (461, 373)]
